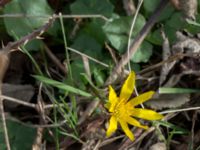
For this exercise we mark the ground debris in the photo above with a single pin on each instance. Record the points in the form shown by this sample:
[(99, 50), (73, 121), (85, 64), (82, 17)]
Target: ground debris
[(158, 146)]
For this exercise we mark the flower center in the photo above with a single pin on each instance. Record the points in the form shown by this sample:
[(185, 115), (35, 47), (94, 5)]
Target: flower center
[(120, 111)]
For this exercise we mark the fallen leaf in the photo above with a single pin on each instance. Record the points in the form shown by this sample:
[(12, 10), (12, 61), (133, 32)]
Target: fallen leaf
[(168, 101), (21, 92)]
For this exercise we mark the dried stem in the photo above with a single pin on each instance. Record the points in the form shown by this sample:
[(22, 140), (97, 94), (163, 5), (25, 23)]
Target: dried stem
[(55, 16), (136, 43), (4, 61), (3, 118)]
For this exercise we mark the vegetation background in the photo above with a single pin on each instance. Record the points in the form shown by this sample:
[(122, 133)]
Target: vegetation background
[(58, 57)]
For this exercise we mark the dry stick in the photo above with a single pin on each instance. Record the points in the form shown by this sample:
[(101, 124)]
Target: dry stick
[(27, 104), (55, 16), (4, 61), (14, 100), (170, 59), (136, 43), (33, 35), (112, 53), (3, 66), (129, 6), (55, 59)]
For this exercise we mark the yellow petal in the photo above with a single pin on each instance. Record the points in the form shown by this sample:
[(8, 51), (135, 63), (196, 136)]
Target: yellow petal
[(128, 87), (126, 129), (112, 99), (112, 126), (141, 98), (112, 95), (146, 114), (136, 123)]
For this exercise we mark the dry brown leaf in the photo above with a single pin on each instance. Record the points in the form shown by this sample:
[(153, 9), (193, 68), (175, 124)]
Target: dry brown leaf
[(168, 101), (189, 7), (185, 44), (165, 55)]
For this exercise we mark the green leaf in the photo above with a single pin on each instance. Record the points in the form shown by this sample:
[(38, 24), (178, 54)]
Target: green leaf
[(62, 86), (155, 37), (19, 27), (143, 53), (37, 8), (91, 7), (150, 6), (99, 77), (174, 24), (193, 26), (176, 21), (170, 33), (176, 129), (20, 137), (94, 29), (88, 45), (166, 13), (135, 66), (117, 31), (77, 69)]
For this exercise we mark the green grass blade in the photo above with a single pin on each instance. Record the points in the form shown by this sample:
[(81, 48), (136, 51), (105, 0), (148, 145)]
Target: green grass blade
[(62, 86), (177, 90), (176, 129)]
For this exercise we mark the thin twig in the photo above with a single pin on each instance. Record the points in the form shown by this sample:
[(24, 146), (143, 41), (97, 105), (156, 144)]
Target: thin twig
[(27, 104), (86, 65), (55, 16), (55, 59), (112, 53), (110, 140), (18, 101), (136, 43), (82, 54), (4, 62), (170, 59), (129, 6), (179, 110)]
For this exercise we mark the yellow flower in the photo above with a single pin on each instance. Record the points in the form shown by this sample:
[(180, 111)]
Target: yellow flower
[(123, 110)]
